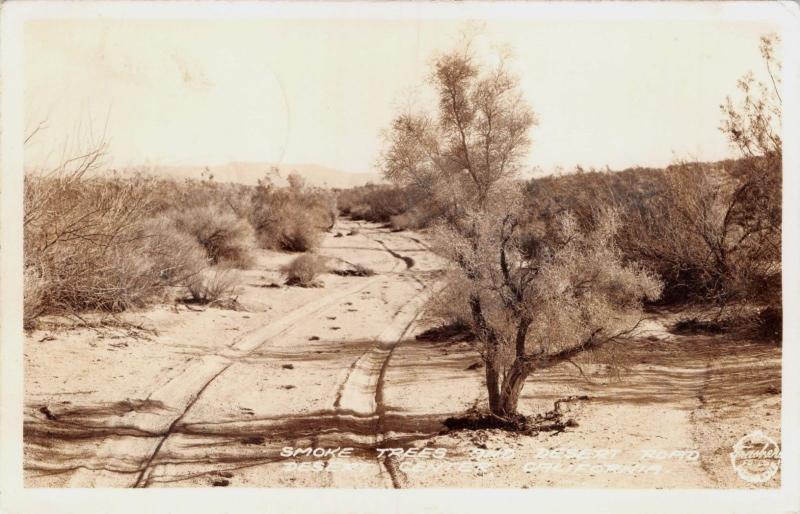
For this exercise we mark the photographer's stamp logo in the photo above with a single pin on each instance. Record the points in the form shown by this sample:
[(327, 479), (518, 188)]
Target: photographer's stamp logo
[(756, 458)]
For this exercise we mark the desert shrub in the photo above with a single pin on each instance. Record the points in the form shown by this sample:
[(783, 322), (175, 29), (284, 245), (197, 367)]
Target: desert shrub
[(214, 287), (83, 245), (304, 270), (93, 278), (175, 255), (403, 221), (375, 203), (409, 205), (299, 234), (585, 194), (226, 238), (113, 242), (286, 227), (699, 237), (709, 230), (291, 219)]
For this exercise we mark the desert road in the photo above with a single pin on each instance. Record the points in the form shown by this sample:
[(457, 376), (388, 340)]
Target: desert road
[(320, 387)]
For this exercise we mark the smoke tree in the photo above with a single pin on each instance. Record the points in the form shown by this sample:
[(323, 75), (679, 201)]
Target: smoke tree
[(528, 310)]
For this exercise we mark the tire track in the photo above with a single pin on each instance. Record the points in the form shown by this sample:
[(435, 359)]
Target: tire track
[(409, 262), (182, 391), (149, 465), (360, 394), (362, 391)]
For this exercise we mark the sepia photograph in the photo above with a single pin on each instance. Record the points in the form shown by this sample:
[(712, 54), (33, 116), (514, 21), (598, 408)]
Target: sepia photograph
[(376, 246)]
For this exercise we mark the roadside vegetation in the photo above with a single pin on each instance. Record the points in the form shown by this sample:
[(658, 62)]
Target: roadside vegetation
[(98, 241), (546, 269), (303, 270), (291, 218), (710, 231)]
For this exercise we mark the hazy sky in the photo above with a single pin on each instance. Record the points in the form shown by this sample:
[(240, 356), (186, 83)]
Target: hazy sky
[(317, 91)]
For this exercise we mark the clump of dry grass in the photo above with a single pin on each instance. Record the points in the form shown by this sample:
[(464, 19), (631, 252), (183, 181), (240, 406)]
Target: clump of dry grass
[(226, 238), (303, 270), (217, 287)]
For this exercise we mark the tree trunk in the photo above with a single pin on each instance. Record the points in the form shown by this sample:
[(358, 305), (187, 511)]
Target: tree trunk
[(488, 336), (493, 387), (510, 392), (515, 377)]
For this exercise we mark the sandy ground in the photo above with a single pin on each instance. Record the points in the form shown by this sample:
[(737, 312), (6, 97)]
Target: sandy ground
[(210, 397)]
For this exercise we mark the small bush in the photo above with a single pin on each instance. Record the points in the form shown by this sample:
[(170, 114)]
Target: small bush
[(376, 203), (84, 244), (98, 279), (217, 287), (291, 219), (226, 238), (175, 256), (303, 270), (299, 234)]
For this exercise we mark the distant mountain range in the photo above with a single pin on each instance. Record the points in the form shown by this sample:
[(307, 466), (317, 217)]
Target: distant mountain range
[(249, 173)]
